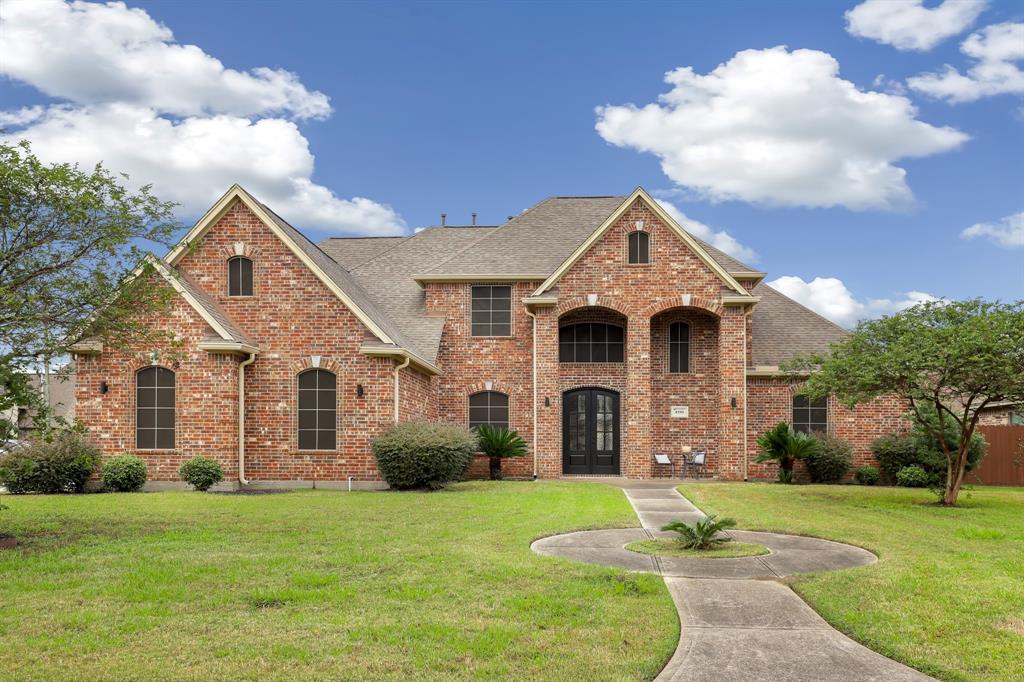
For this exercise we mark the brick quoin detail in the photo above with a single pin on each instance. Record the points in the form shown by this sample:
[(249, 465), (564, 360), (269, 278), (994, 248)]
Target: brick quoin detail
[(293, 317)]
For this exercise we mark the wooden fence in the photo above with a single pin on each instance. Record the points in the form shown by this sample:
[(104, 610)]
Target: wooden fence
[(1004, 462)]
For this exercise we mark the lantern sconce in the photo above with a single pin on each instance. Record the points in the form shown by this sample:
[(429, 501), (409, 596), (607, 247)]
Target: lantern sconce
[(104, 388), (359, 390)]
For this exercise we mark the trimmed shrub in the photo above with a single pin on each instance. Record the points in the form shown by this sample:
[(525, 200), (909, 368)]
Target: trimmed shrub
[(832, 459), (867, 475), (60, 466), (424, 455), (893, 452), (200, 472), (123, 474), (913, 476)]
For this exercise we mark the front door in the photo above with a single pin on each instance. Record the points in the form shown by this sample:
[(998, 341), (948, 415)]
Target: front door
[(590, 432)]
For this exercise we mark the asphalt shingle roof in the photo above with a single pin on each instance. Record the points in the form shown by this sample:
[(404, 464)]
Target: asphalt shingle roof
[(211, 307), (784, 328)]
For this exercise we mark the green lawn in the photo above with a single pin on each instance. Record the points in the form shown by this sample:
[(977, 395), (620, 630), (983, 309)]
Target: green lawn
[(323, 584), (947, 595)]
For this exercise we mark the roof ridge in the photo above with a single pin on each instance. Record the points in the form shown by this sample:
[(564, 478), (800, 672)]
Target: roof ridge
[(365, 236), (491, 233), (410, 237)]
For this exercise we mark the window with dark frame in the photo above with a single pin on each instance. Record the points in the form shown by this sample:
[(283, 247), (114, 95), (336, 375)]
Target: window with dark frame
[(318, 417), (639, 248), (490, 408), (154, 409), (240, 276), (679, 348), (492, 310), (810, 416), (591, 342)]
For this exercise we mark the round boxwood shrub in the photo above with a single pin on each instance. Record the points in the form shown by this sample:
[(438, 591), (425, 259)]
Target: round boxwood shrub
[(201, 472), (893, 452), (867, 475), (123, 474), (913, 476), (832, 459), (62, 465), (424, 455)]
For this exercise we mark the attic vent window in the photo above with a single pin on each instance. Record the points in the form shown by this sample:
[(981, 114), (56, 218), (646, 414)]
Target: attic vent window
[(639, 248)]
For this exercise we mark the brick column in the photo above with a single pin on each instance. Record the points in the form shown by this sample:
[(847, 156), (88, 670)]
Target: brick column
[(732, 364), (549, 417), (635, 405)]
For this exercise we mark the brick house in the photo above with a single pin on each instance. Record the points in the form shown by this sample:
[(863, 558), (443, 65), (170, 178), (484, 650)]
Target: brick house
[(596, 326)]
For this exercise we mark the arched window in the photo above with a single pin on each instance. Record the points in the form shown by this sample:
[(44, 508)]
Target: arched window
[(591, 342), (154, 409), (318, 416), (679, 348), (240, 276), (490, 408), (639, 248)]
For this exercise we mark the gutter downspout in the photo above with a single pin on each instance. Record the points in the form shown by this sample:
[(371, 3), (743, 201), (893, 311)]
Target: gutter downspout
[(399, 368), (533, 358), (241, 417), (746, 411)]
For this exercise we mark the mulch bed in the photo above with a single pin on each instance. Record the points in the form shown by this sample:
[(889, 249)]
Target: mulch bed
[(8, 542)]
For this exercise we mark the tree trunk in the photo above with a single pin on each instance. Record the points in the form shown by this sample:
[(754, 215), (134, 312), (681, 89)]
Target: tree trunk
[(955, 473), (495, 464)]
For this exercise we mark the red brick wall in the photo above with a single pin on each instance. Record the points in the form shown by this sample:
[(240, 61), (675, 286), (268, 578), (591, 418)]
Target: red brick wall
[(771, 401)]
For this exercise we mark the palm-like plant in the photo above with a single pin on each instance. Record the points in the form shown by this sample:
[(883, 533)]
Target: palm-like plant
[(704, 534), (498, 443), (785, 446)]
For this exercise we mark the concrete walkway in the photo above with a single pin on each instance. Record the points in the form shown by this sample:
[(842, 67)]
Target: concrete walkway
[(737, 622)]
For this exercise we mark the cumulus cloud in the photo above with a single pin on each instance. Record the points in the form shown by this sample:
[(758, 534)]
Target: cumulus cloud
[(779, 127), (908, 24), (1007, 232), (994, 50), (169, 115), (830, 298), (721, 240)]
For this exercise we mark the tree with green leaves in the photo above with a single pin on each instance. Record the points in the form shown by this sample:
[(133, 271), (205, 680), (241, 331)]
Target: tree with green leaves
[(953, 358), (498, 443), (72, 244)]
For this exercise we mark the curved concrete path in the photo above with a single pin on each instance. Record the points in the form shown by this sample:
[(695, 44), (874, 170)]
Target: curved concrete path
[(737, 622)]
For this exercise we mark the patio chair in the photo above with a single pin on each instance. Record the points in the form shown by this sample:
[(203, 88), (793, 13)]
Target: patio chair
[(696, 461), (663, 459)]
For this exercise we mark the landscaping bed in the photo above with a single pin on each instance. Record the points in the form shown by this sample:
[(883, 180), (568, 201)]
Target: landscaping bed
[(728, 550), (947, 592)]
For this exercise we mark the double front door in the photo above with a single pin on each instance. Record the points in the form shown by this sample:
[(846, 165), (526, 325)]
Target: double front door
[(590, 432)]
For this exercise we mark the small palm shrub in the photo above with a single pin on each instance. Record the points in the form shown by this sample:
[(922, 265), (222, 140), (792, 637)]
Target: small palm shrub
[(867, 475), (704, 534), (124, 473), (62, 465), (200, 472), (785, 446), (913, 476), (830, 462), (424, 455), (498, 443)]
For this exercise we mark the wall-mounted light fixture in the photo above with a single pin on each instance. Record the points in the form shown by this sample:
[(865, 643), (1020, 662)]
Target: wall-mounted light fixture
[(732, 402), (103, 387), (359, 390), (547, 402)]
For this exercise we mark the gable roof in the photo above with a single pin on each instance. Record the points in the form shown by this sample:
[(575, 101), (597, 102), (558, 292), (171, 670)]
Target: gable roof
[(333, 275), (783, 328)]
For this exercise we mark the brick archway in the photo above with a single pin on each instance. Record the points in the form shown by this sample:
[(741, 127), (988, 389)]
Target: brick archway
[(577, 302), (683, 301)]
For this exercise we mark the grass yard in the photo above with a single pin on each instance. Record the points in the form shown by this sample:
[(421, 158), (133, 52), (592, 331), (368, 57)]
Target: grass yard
[(320, 584), (947, 595)]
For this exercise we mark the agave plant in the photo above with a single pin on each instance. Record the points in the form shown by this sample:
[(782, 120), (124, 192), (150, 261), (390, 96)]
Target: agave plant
[(785, 446), (498, 443), (704, 534)]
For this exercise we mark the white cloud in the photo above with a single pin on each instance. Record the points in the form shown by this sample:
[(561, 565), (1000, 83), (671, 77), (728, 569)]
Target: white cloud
[(721, 240), (1007, 232), (994, 50), (908, 24), (779, 127), (830, 298), (169, 115)]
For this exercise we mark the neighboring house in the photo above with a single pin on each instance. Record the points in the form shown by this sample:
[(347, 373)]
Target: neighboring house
[(60, 396), (595, 326), (1002, 414)]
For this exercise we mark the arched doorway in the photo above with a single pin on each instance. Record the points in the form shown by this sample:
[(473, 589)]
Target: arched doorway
[(590, 432)]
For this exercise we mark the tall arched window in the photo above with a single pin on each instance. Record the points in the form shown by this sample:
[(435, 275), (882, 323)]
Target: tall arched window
[(240, 276), (639, 248), (154, 409), (679, 348), (318, 416), (591, 342), (490, 408)]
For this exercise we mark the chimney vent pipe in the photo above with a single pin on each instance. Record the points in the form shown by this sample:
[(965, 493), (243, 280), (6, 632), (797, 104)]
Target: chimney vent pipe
[(444, 219), (474, 218)]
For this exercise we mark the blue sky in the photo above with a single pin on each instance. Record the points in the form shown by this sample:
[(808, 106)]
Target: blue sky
[(490, 107)]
